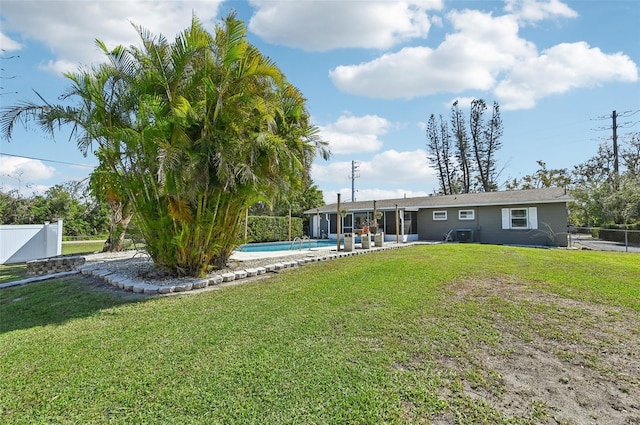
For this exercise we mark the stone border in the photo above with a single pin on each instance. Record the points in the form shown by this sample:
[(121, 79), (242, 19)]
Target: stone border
[(127, 284)]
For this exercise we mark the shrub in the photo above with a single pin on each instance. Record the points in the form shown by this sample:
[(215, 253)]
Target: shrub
[(271, 229)]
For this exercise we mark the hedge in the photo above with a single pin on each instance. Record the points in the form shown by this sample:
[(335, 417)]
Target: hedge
[(272, 229), (616, 233)]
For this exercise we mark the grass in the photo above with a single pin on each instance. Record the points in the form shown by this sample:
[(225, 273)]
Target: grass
[(81, 247), (388, 337), (12, 272)]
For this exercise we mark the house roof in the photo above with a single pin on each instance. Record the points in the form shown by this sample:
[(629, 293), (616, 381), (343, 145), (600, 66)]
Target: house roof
[(509, 197)]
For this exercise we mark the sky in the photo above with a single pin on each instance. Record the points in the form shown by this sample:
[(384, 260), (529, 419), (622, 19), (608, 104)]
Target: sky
[(372, 72)]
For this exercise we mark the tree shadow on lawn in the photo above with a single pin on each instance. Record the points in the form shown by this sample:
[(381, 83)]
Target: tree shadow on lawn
[(53, 302)]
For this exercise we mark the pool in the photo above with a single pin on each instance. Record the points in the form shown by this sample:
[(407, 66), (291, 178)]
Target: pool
[(285, 246)]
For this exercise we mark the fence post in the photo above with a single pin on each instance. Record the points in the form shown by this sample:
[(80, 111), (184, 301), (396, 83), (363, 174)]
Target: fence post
[(59, 238), (626, 240), (46, 230)]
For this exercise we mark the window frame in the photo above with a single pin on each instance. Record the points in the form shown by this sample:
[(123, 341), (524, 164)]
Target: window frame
[(518, 218), (440, 212), (471, 215), (530, 218)]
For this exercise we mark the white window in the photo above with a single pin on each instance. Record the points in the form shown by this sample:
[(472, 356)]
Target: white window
[(520, 218), (466, 215), (439, 215)]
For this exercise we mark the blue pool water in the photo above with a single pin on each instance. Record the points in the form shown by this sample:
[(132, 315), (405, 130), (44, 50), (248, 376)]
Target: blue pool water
[(284, 246)]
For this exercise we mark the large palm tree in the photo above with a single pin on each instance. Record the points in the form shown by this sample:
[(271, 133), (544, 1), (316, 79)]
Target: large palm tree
[(194, 132)]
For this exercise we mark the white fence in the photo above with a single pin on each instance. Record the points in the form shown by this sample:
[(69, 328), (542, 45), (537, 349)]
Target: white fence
[(26, 242)]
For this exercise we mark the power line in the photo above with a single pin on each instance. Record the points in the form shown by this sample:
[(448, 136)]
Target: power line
[(48, 160), (615, 125)]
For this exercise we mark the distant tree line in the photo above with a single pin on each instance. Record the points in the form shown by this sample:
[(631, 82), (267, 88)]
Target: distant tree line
[(602, 196), (82, 214)]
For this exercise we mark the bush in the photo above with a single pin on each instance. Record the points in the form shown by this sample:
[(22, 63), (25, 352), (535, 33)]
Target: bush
[(271, 229), (616, 233)]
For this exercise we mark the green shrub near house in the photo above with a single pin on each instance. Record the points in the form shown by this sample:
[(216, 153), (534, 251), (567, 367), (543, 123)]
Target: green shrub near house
[(271, 229)]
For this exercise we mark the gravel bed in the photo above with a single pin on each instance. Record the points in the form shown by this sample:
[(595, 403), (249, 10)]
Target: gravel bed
[(140, 268)]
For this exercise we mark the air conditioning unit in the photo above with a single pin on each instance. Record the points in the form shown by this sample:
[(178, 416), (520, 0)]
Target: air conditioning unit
[(464, 235)]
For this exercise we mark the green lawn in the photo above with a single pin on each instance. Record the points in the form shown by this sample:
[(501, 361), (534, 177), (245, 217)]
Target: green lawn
[(389, 337), (81, 247), (12, 272)]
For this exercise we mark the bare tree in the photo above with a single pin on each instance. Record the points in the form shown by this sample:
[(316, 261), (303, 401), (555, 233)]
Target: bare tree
[(466, 161), (463, 155), (493, 142), (486, 141), (438, 148)]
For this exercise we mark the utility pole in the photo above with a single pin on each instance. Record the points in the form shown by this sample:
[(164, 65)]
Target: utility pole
[(614, 126), (354, 176), (338, 220)]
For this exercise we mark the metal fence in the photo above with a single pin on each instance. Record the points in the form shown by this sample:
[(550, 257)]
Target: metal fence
[(604, 239)]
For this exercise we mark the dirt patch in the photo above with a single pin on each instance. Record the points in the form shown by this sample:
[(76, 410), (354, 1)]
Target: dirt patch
[(556, 360)]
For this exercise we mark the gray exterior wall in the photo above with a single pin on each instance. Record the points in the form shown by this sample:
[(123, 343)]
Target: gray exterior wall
[(487, 225)]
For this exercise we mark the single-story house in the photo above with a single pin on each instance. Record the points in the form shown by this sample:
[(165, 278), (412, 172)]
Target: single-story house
[(517, 217)]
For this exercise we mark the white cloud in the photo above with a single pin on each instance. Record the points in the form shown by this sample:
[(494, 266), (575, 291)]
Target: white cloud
[(69, 28), (27, 190), (559, 69), (393, 167), (24, 170), (351, 134), (389, 168), (486, 53), (9, 45), (320, 26), (470, 58), (463, 102), (535, 10)]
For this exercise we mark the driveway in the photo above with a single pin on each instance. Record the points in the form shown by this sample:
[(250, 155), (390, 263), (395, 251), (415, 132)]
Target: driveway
[(588, 242)]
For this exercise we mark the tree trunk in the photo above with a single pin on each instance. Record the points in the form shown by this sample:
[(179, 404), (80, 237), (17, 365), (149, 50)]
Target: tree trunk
[(118, 227)]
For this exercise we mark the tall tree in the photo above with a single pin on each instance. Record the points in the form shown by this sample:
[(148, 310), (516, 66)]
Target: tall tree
[(463, 152), (435, 153), (469, 162), (477, 131), (439, 153), (493, 143), (485, 137)]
